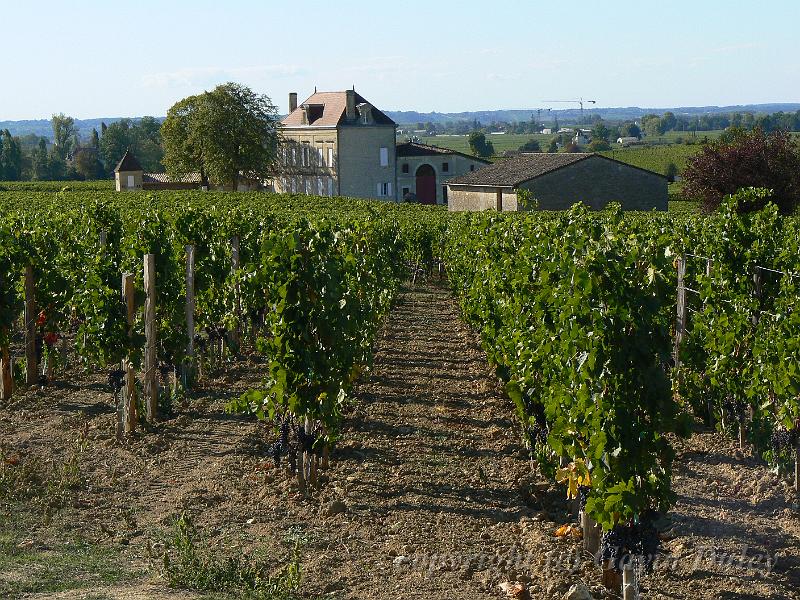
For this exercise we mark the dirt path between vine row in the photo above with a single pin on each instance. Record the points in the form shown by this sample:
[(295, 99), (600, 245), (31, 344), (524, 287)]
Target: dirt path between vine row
[(429, 494)]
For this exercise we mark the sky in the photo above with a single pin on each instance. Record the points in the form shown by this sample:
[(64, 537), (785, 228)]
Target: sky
[(93, 58)]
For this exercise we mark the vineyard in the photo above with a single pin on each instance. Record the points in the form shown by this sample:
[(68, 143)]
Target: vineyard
[(289, 336)]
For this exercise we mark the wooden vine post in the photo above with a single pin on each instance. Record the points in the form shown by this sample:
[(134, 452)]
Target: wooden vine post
[(150, 358), (797, 465), (31, 363), (6, 380), (591, 534), (236, 334), (680, 322), (188, 367), (128, 408), (709, 266), (629, 591)]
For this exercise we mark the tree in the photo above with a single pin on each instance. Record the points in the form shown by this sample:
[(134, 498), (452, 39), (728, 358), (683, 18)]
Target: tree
[(530, 146), (599, 146), (221, 133), (600, 131), (553, 146), (671, 172), (142, 138), (10, 157), (86, 164), (94, 141), (668, 121), (63, 134), (746, 159), (41, 165), (479, 145), (630, 130)]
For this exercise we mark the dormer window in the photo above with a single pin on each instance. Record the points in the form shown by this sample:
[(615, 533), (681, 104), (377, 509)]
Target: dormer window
[(365, 113), (314, 112)]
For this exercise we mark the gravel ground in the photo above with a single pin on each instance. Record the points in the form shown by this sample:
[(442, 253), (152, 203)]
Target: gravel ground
[(429, 494)]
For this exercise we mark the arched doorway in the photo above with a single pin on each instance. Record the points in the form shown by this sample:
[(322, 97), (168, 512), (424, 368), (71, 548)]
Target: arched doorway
[(426, 185)]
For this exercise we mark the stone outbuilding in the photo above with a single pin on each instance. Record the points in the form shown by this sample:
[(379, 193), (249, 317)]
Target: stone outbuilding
[(128, 174), (423, 171), (556, 182)]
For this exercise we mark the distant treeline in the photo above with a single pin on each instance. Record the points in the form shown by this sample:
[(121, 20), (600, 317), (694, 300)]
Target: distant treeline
[(68, 156), (650, 124)]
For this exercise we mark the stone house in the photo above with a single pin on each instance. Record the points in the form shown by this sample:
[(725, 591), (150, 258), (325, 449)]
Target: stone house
[(423, 171), (556, 182), (337, 144)]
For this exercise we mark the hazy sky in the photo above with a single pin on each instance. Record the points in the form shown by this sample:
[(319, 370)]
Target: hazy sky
[(94, 58)]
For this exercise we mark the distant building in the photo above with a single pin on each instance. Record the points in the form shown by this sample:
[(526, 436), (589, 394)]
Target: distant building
[(337, 144), (627, 141), (557, 181), (128, 174), (547, 131), (422, 171)]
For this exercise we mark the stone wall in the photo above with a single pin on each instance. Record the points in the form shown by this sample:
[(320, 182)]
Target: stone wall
[(461, 198), (360, 170)]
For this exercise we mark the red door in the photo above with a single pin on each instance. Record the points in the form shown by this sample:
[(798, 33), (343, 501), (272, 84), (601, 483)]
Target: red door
[(426, 185)]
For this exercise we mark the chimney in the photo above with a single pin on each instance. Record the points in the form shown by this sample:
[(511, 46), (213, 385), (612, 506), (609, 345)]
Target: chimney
[(292, 102), (351, 105)]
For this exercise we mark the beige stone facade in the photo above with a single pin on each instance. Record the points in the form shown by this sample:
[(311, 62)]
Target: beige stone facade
[(337, 144), (417, 163)]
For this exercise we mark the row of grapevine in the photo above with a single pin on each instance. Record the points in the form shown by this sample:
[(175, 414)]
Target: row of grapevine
[(740, 360), (576, 311), (308, 291)]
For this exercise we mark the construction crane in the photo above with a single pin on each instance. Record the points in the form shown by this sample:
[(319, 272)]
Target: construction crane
[(539, 115), (580, 101)]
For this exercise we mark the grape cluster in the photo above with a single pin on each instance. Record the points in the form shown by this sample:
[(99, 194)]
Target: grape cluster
[(115, 380), (734, 407), (783, 440), (626, 541), (583, 496)]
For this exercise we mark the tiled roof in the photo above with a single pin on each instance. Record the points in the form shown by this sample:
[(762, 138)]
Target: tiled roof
[(334, 108), (164, 178), (518, 169), (417, 149), (128, 162)]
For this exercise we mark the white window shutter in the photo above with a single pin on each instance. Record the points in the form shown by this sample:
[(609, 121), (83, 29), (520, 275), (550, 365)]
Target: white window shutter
[(380, 189), (390, 190)]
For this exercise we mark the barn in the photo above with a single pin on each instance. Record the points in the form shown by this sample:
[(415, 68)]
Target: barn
[(556, 182)]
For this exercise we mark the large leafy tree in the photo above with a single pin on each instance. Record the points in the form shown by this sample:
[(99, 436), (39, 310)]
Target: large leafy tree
[(228, 131), (64, 133), (744, 159)]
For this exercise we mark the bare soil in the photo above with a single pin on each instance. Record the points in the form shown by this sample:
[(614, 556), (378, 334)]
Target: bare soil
[(429, 494)]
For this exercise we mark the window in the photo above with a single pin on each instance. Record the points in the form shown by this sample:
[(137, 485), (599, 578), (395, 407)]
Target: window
[(321, 153), (444, 193), (405, 192), (384, 157), (330, 157), (472, 167), (405, 167), (320, 187), (384, 190), (445, 167), (131, 181), (330, 186)]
